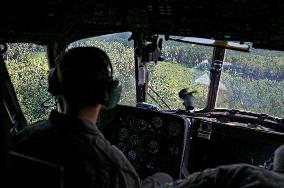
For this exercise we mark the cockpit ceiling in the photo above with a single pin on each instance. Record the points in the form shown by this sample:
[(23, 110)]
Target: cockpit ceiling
[(258, 21)]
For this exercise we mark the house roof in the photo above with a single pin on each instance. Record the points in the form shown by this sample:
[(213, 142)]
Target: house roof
[(205, 80)]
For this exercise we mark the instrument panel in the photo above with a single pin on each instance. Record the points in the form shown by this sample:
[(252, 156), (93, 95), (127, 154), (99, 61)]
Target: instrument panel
[(152, 141), (214, 143)]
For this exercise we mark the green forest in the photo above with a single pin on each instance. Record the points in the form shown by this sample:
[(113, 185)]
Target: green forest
[(251, 81)]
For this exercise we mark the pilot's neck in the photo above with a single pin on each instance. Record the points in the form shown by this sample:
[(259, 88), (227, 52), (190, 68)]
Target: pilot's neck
[(90, 113)]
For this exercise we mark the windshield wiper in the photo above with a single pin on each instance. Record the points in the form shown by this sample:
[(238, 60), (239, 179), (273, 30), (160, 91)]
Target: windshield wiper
[(153, 98), (158, 97)]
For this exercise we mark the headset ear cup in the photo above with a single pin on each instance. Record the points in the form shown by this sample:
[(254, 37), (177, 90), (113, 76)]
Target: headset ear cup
[(53, 83), (113, 93)]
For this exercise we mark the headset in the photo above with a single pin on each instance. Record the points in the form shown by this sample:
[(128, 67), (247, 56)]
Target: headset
[(111, 91)]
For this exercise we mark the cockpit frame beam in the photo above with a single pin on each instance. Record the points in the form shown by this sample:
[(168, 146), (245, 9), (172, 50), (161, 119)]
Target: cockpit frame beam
[(215, 75)]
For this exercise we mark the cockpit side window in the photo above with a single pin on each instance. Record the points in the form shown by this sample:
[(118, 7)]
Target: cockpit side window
[(28, 69), (27, 65)]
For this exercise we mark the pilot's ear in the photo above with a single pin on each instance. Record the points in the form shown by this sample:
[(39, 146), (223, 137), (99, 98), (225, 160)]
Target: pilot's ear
[(112, 94), (53, 82)]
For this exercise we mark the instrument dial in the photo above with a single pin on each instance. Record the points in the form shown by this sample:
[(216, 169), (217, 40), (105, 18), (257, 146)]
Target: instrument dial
[(154, 146), (174, 150), (174, 128), (157, 122), (132, 155), (122, 134), (151, 165), (122, 147), (130, 121), (142, 124), (134, 140)]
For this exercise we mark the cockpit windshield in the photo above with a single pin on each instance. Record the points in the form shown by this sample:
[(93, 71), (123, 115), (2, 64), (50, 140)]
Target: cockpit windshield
[(183, 66), (250, 81), (253, 82)]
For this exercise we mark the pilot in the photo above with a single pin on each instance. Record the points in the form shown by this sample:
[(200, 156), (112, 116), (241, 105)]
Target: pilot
[(84, 81)]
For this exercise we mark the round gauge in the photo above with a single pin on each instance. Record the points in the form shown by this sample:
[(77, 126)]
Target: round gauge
[(122, 147), (134, 140), (174, 128), (153, 146), (122, 134), (151, 165), (173, 150), (142, 124), (157, 122), (132, 155), (130, 121)]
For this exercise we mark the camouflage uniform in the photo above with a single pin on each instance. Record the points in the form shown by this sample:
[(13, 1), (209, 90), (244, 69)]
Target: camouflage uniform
[(89, 160)]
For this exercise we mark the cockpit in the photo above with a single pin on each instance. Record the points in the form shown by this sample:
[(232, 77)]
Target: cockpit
[(197, 92)]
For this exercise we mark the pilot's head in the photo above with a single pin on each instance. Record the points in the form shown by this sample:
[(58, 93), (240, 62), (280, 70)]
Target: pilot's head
[(85, 78)]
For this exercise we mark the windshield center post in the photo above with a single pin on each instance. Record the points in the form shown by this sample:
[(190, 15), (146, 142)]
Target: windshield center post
[(147, 48), (215, 74)]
